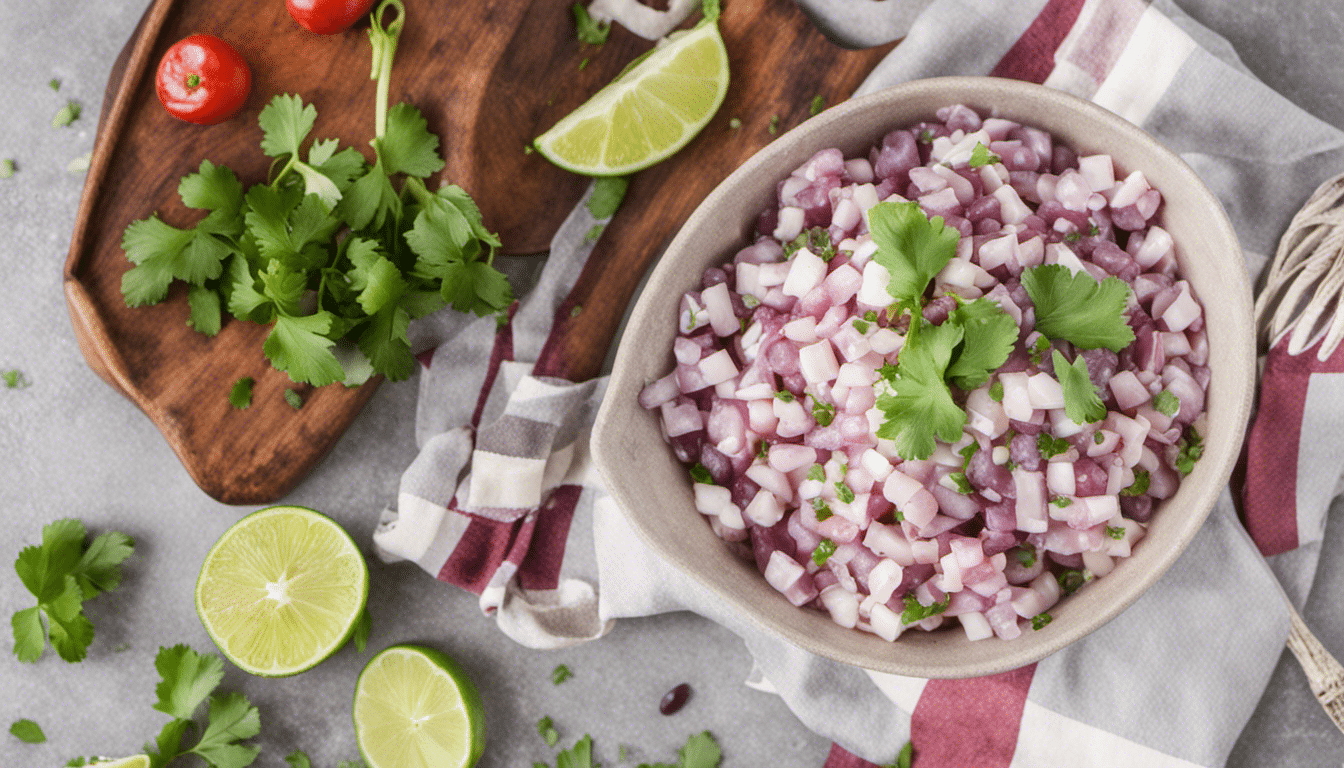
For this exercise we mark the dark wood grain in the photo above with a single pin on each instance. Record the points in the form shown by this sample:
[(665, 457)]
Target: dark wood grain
[(489, 76)]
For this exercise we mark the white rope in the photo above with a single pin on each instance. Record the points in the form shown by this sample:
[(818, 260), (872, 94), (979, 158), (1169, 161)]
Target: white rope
[(1305, 282)]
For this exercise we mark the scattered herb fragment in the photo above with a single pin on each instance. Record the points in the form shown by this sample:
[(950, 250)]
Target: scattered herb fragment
[(54, 84), (588, 29), (298, 759), (926, 136), (981, 155), (608, 192), (817, 472), (1040, 620), (1061, 501), (917, 611), (1189, 449), (823, 412), (6, 167), (844, 493), (818, 104), (1082, 404), (583, 64), (27, 731), (1073, 237), (1098, 438), (1116, 532), (593, 234), (1166, 403), (1070, 580), (362, 629), (996, 391), (700, 474), (1077, 308), (763, 450), (15, 379), (1025, 554), (1139, 486), (188, 678), (751, 302), (62, 573), (967, 452), (815, 239), (905, 757), (66, 114), (860, 325), (959, 480), (1038, 349), (79, 164), (294, 399), (578, 756), (785, 395), (546, 727), (823, 552), (1051, 446), (241, 394), (774, 125), (821, 508), (560, 674)]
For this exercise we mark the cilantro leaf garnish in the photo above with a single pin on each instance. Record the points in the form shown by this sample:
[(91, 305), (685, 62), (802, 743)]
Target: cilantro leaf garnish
[(298, 759), (588, 29), (1071, 580), (1051, 446), (187, 679), (1078, 309), (996, 391), (1166, 403), (1116, 532), (912, 247), (817, 240), (1040, 620), (860, 325), (1190, 449), (27, 731), (62, 572), (822, 509), (917, 611), (981, 155), (785, 395), (1025, 554), (843, 492), (13, 378), (241, 394), (700, 474), (1082, 404), (988, 334), (822, 412), (1139, 486), (963, 485), (560, 674), (903, 758), (817, 105), (921, 406), (578, 756), (1061, 501), (817, 472), (823, 552), (66, 114), (546, 729)]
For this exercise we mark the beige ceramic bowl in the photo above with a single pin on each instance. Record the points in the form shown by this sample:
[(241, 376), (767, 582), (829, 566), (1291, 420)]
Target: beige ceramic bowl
[(654, 489)]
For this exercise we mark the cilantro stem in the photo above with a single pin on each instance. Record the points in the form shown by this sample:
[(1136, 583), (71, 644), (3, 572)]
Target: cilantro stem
[(384, 41)]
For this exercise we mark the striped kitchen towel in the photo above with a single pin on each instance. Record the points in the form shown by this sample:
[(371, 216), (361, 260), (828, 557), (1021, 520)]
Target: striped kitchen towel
[(501, 501)]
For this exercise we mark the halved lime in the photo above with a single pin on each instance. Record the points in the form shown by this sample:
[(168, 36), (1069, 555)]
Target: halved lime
[(647, 113), (134, 761), (415, 708), (282, 590)]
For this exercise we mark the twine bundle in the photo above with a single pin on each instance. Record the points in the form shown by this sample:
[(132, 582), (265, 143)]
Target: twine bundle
[(1305, 282)]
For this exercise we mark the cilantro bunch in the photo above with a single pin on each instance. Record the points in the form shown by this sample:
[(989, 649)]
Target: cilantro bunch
[(62, 572), (330, 248)]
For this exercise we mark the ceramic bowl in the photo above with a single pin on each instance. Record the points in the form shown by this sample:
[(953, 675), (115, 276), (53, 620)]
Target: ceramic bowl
[(654, 490)]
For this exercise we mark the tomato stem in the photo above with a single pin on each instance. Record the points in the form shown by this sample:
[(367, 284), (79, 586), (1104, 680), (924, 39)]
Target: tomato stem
[(384, 42)]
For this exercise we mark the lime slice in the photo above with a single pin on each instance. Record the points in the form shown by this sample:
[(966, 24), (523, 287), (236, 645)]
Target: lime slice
[(415, 708), (282, 590), (134, 761), (647, 113)]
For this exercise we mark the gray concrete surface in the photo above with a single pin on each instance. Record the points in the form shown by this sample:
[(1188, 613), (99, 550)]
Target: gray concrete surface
[(70, 446)]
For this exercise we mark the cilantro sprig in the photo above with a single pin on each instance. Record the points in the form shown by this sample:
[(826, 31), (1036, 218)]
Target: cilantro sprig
[(331, 248), (917, 611), (63, 572), (1076, 308), (187, 679)]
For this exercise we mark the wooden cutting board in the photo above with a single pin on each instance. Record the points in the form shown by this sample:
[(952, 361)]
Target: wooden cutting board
[(489, 76)]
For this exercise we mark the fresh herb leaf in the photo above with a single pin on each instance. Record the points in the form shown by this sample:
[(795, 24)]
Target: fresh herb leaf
[(817, 472), (1051, 446), (981, 155), (821, 508), (294, 399), (911, 246), (963, 484), (6, 167), (298, 759), (700, 474), (996, 391), (1189, 450), (916, 611), (822, 412), (54, 84), (1082, 403), (1061, 501), (1078, 309), (921, 406), (27, 731), (1070, 580), (578, 756), (62, 573), (988, 335), (232, 719), (188, 679), (861, 325), (1139, 486), (1040, 620), (700, 751), (843, 492), (763, 450), (241, 395), (823, 552), (14, 379), (608, 192), (818, 104), (1025, 554), (66, 114), (816, 239), (967, 452), (546, 727), (588, 29), (1098, 438), (362, 629), (1038, 350), (906, 756), (773, 128), (560, 674), (785, 395), (1166, 403), (1116, 532)]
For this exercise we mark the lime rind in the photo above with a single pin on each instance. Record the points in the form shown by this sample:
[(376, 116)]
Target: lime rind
[(669, 94), (282, 590), (414, 707)]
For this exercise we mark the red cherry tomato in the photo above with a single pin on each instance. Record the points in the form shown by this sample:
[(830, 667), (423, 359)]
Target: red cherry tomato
[(203, 80), (327, 17)]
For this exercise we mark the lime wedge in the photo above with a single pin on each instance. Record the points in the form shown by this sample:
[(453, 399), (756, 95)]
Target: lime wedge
[(282, 590), (134, 761), (415, 708), (647, 113)]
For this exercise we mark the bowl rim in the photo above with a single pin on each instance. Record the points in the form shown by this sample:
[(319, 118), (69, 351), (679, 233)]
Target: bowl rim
[(1213, 471)]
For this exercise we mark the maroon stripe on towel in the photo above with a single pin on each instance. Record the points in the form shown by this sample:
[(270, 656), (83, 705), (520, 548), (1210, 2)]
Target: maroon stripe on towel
[(541, 568), (1032, 57), (503, 350), (970, 723), (1269, 499), (480, 550), (840, 758)]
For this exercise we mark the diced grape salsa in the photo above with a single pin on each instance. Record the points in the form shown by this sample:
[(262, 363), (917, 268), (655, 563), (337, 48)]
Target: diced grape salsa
[(949, 379)]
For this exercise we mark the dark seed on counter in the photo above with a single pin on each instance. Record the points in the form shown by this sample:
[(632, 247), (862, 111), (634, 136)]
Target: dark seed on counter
[(675, 699)]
